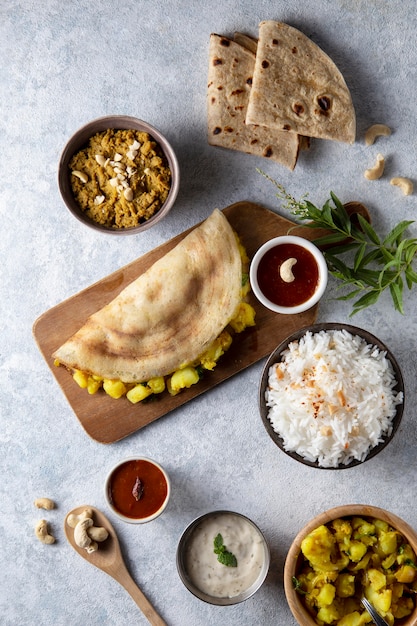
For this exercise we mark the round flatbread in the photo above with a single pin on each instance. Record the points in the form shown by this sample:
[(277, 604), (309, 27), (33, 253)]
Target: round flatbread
[(231, 67), (297, 87), (169, 315)]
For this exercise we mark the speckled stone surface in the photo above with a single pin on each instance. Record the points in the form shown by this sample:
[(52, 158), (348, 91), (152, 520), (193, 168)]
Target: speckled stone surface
[(63, 64)]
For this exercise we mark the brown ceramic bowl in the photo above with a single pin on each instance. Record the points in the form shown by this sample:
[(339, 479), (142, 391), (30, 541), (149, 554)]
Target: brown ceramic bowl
[(276, 356), (80, 139), (294, 556)]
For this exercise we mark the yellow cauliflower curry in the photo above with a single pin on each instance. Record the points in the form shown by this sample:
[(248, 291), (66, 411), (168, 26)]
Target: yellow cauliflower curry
[(187, 374), (354, 557)]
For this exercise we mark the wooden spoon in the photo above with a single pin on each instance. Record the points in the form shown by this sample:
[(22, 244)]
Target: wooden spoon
[(109, 558)]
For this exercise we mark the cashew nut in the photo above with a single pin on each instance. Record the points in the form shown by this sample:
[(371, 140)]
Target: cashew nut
[(403, 183), (285, 271), (73, 519), (81, 175), (86, 535), (42, 532), (44, 503), (97, 533), (81, 536), (377, 170), (374, 131)]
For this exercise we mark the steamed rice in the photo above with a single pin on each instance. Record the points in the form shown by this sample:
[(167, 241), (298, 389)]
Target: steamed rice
[(331, 398)]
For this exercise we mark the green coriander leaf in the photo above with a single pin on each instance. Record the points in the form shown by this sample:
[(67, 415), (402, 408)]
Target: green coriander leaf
[(297, 585), (227, 558), (218, 544), (223, 555)]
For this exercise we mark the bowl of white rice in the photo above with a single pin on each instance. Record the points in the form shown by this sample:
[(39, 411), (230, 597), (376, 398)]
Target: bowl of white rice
[(331, 396)]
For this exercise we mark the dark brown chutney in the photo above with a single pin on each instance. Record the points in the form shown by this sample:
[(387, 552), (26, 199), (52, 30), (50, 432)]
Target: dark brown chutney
[(137, 489), (305, 271)]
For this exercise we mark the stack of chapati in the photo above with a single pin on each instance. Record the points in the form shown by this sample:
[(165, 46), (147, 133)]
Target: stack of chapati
[(265, 96)]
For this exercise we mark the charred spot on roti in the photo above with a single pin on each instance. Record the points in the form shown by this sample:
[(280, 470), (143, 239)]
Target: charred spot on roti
[(237, 92), (294, 50), (228, 129), (275, 42), (217, 61), (217, 131), (298, 108), (249, 80), (224, 42), (268, 152), (324, 103), (265, 64)]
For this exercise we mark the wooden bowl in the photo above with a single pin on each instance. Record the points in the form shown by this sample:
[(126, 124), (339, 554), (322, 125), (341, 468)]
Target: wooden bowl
[(293, 560)]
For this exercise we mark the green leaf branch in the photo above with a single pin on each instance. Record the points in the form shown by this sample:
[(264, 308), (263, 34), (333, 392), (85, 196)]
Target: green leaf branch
[(365, 264)]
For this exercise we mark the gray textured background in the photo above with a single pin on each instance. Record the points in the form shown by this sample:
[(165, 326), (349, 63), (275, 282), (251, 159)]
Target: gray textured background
[(63, 64)]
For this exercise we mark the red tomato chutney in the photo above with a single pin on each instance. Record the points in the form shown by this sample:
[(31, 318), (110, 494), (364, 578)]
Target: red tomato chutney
[(305, 271), (137, 489)]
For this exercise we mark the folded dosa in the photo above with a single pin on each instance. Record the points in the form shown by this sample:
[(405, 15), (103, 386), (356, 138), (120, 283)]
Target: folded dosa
[(169, 315), (231, 67), (297, 87)]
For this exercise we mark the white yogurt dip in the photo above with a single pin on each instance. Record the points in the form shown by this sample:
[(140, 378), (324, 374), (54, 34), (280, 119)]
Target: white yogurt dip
[(241, 538)]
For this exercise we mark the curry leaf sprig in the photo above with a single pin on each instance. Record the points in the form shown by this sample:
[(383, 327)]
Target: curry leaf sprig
[(366, 264)]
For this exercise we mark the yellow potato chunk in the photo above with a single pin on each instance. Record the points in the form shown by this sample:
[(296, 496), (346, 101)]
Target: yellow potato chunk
[(377, 579), (138, 393), (317, 548), (114, 388), (157, 384), (328, 614), (93, 384), (182, 379), (244, 317), (345, 585), (81, 379), (209, 358), (406, 574), (326, 595)]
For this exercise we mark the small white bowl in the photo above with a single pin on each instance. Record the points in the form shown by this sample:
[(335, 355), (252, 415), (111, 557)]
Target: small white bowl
[(135, 473), (321, 282)]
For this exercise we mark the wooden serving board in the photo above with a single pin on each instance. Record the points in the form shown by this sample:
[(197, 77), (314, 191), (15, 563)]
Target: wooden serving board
[(107, 420)]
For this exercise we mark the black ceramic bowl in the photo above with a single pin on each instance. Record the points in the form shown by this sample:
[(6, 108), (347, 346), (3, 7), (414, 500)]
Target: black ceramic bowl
[(276, 356)]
